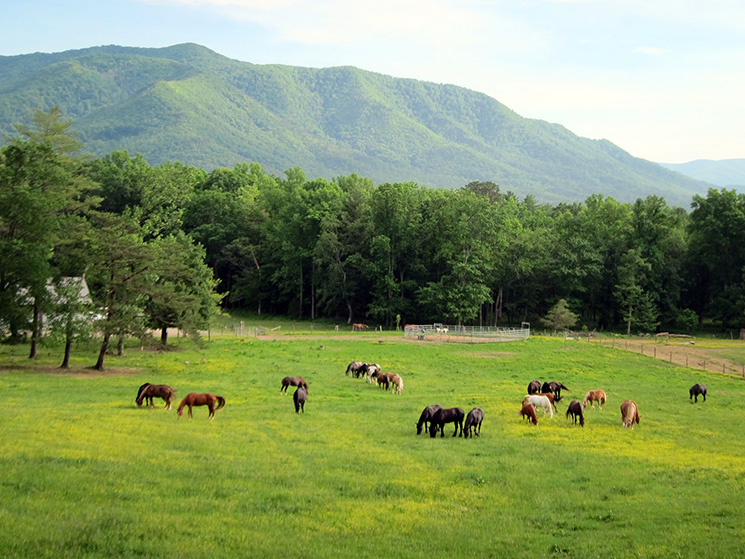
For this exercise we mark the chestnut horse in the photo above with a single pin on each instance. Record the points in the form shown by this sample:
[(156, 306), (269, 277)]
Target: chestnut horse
[(576, 410), (473, 421), (443, 416), (696, 391), (426, 417), (209, 400), (398, 384), (629, 413), (149, 391), (381, 379), (528, 410), (595, 396), (534, 386), (293, 381)]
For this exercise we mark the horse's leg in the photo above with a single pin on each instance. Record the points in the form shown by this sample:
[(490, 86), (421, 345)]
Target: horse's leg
[(212, 411), (190, 415)]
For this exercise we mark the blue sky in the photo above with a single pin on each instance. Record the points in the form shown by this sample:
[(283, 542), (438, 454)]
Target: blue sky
[(662, 79)]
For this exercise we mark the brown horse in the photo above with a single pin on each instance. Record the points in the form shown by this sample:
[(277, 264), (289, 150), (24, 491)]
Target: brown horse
[(426, 417), (528, 410), (381, 379), (209, 400), (629, 413), (149, 391), (576, 410), (534, 387), (553, 387), (595, 396), (293, 381), (443, 416), (358, 326)]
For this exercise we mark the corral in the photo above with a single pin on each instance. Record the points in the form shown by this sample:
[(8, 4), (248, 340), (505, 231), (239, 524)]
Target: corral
[(448, 333)]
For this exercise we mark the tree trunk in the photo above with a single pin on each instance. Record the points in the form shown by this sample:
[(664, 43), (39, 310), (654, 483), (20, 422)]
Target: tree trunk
[(120, 346), (349, 312), (66, 360), (164, 335), (300, 293), (35, 328), (628, 327), (102, 353)]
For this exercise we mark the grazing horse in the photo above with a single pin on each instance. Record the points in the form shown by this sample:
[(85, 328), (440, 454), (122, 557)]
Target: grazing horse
[(443, 416), (595, 396), (550, 396), (528, 410), (540, 402), (426, 417), (554, 387), (358, 326), (576, 410), (208, 400), (299, 397), (398, 384), (354, 367), (381, 379), (293, 381), (629, 413), (473, 421), (149, 391), (534, 387), (696, 390), (368, 370)]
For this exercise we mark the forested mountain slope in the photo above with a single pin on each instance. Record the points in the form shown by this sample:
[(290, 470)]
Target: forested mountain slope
[(187, 103), (726, 172)]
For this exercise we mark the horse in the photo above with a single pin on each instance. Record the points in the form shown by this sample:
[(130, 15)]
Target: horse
[(473, 421), (368, 370), (149, 391), (443, 416), (381, 379), (534, 386), (426, 417), (398, 384), (696, 390), (540, 402), (595, 396), (293, 381), (299, 397), (554, 387), (358, 326), (209, 400), (576, 410), (629, 413), (550, 396), (354, 367), (528, 410)]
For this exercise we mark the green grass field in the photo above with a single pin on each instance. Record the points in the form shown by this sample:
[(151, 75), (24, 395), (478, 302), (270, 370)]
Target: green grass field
[(87, 474)]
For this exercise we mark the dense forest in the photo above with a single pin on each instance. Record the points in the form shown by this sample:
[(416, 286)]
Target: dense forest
[(166, 245)]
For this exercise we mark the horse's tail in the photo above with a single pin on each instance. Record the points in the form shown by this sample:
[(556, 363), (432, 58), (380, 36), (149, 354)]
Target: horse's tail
[(220, 402)]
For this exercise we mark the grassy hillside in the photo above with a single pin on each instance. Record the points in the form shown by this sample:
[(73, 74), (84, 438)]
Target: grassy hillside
[(88, 474), (190, 104)]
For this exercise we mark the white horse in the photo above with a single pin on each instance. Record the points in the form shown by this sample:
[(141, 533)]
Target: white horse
[(540, 402), (370, 369)]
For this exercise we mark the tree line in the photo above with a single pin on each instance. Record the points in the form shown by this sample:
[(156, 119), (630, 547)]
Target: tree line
[(164, 246)]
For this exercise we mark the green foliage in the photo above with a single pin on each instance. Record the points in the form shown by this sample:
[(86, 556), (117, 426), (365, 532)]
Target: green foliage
[(559, 317)]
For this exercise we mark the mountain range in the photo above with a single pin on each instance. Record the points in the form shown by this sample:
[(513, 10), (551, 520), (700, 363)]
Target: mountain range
[(187, 103), (725, 172)]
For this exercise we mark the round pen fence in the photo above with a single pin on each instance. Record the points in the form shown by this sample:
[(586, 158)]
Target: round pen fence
[(447, 333)]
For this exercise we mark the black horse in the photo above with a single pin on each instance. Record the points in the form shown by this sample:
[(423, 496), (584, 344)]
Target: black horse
[(576, 410), (426, 417), (299, 397), (443, 416), (555, 388), (473, 420), (696, 391), (534, 387)]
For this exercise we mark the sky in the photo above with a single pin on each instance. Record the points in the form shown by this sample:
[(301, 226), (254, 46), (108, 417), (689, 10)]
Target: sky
[(662, 79)]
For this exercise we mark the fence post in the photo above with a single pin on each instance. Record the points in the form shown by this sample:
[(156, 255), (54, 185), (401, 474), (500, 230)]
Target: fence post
[(671, 357), (655, 352)]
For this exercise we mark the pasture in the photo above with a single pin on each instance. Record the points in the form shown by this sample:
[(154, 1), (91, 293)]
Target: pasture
[(87, 474)]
